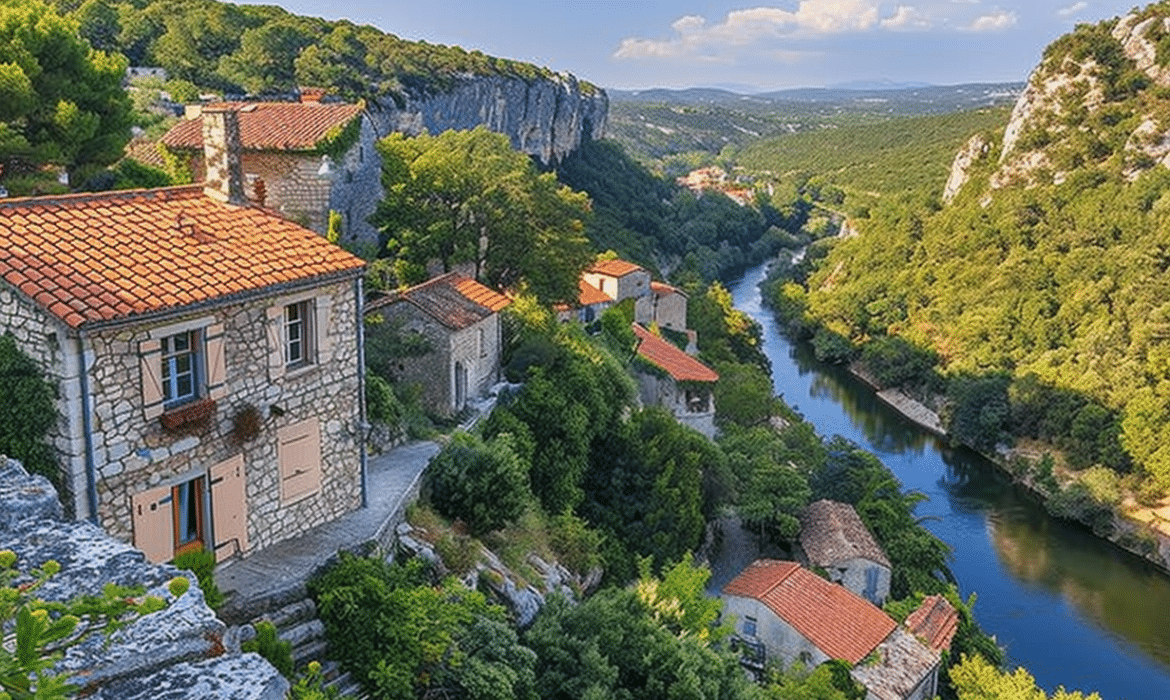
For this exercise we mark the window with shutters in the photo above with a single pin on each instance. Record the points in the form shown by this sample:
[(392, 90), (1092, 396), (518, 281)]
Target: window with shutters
[(180, 360), (297, 335)]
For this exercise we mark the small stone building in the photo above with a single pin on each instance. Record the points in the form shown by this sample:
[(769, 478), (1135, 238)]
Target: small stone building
[(618, 279), (591, 303), (666, 306), (833, 539), (301, 159), (205, 354), (796, 615), (458, 321), (676, 381)]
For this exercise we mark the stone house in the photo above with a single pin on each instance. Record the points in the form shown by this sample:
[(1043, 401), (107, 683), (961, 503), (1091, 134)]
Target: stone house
[(833, 539), (654, 302), (206, 356), (618, 279), (667, 306), (795, 615), (301, 159), (676, 381), (591, 303), (458, 321)]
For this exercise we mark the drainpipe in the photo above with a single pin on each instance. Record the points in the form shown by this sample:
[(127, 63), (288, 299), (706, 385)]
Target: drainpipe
[(363, 428), (87, 427)]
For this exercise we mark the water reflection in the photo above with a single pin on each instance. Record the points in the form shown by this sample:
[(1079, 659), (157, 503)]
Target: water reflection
[(1073, 609)]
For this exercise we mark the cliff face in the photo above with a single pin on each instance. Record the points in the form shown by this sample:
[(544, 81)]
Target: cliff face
[(1100, 98), (545, 118)]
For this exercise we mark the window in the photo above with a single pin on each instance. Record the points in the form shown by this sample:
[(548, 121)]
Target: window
[(296, 335), (188, 515), (749, 626), (180, 373)]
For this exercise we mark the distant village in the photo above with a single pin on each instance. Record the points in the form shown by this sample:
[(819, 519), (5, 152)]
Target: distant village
[(206, 344)]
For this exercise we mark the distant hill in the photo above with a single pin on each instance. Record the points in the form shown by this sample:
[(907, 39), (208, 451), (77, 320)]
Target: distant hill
[(677, 129)]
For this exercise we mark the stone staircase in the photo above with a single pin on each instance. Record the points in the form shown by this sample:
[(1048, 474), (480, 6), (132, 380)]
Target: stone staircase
[(297, 623)]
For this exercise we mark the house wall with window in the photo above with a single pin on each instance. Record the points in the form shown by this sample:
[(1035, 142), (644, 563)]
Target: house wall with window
[(782, 641), (192, 476)]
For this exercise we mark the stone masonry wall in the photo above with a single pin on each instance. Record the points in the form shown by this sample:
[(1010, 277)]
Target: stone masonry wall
[(134, 454)]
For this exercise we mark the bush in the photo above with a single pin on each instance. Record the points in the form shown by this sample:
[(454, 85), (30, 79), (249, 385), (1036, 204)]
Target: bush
[(276, 651), (202, 563), (27, 412), (484, 484)]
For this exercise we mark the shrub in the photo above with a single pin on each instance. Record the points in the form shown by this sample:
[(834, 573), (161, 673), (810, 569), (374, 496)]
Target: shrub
[(577, 546), (202, 563), (276, 651), (484, 484), (27, 412)]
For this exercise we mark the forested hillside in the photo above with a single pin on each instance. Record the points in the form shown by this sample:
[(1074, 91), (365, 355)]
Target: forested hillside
[(1039, 295)]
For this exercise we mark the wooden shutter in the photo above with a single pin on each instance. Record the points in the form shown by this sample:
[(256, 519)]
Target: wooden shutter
[(152, 513), (229, 507), (321, 306), (150, 361), (275, 342), (299, 454), (216, 365)]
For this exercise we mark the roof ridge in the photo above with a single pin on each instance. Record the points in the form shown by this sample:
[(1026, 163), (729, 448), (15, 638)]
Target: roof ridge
[(81, 197)]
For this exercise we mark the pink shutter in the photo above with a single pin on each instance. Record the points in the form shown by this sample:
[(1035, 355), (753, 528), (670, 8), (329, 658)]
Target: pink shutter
[(299, 453), (275, 328), (152, 513), (216, 365), (150, 362), (229, 508), (322, 338)]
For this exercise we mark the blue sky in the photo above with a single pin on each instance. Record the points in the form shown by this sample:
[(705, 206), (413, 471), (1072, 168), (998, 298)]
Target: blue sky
[(749, 46)]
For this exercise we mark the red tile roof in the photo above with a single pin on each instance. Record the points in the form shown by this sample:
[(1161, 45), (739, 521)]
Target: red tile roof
[(613, 268), (838, 622), (832, 532), (452, 299), (590, 295), (935, 622), (679, 365), (662, 289), (272, 126), (101, 257)]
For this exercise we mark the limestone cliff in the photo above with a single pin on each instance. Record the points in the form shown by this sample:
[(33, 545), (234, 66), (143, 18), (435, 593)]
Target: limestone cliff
[(547, 118), (1100, 98)]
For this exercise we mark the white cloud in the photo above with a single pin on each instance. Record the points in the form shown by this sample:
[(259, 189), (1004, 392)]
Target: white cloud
[(906, 17), (1072, 9), (994, 22)]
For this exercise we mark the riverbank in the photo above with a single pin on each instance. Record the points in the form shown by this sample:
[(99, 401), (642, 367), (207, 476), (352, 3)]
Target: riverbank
[(1140, 530)]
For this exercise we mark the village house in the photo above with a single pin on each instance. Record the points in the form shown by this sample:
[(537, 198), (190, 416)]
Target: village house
[(458, 321), (618, 279), (676, 381), (301, 159), (205, 354), (834, 540), (654, 302), (667, 308), (797, 616), (591, 303)]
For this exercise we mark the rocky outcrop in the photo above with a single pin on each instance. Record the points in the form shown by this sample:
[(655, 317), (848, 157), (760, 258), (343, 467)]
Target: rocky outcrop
[(973, 151), (547, 118)]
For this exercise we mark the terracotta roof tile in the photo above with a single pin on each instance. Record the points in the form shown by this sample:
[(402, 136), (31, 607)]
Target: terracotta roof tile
[(900, 664), (662, 289), (614, 268), (935, 622), (452, 299), (679, 365), (590, 295), (272, 126), (832, 532), (840, 623), (101, 273)]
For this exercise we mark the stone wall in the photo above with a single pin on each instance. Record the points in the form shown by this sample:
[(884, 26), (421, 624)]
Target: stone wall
[(133, 451), (183, 648), (665, 392), (783, 643)]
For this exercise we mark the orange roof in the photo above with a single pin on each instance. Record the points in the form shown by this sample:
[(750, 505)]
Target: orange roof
[(832, 532), (452, 299), (662, 289), (272, 126), (838, 622), (590, 295), (679, 365), (614, 268), (90, 258), (935, 622)]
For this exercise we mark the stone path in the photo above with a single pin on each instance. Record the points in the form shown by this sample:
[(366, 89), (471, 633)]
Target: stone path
[(278, 573)]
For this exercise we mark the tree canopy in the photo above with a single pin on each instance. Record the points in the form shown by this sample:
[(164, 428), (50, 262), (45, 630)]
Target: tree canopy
[(469, 197)]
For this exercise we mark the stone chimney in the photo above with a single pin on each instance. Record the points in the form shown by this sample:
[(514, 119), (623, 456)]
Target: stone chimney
[(221, 155)]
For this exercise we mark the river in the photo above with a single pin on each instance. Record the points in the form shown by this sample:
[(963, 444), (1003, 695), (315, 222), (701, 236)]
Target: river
[(1074, 610)]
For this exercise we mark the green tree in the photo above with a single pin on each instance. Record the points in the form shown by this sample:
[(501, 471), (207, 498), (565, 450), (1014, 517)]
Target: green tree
[(61, 102), (469, 197), (28, 413), (264, 60), (484, 484), (976, 679)]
